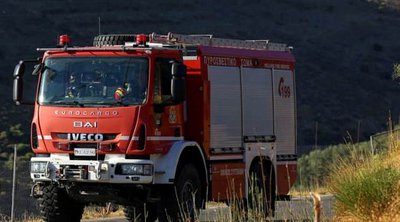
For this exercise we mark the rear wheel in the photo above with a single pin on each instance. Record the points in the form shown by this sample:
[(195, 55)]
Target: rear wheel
[(56, 206), (261, 191)]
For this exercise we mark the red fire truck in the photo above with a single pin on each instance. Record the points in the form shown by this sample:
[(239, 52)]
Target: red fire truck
[(151, 121)]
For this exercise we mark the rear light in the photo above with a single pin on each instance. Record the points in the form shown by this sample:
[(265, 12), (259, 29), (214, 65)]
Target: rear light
[(34, 137)]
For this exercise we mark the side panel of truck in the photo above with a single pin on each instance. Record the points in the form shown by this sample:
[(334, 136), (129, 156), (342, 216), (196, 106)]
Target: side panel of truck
[(241, 119), (258, 116), (284, 107), (249, 114), (225, 107), (285, 130), (226, 131)]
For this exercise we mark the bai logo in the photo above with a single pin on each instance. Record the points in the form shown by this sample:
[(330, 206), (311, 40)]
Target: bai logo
[(82, 124), (283, 90)]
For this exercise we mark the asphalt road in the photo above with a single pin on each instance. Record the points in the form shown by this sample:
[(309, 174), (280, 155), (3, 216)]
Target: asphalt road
[(298, 209)]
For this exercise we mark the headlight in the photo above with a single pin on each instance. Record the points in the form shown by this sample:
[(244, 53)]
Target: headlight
[(134, 169), (148, 170), (38, 167)]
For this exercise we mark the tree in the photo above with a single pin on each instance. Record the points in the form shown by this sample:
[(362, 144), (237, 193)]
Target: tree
[(396, 72)]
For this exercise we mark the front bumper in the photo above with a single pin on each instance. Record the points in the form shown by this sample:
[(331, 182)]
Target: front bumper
[(114, 169)]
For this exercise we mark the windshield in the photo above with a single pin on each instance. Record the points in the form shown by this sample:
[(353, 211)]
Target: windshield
[(94, 81)]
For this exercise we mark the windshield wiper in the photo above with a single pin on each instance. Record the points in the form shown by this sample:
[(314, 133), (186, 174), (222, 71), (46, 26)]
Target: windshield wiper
[(68, 103), (117, 103)]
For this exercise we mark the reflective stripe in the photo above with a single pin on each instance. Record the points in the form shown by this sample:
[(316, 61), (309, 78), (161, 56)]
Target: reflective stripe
[(151, 138), (164, 138), (286, 162), (190, 58), (124, 138), (227, 157), (39, 137)]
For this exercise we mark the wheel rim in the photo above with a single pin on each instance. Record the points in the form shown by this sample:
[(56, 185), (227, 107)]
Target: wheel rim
[(188, 189)]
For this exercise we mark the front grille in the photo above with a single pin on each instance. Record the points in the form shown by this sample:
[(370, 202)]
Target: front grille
[(83, 145), (75, 172)]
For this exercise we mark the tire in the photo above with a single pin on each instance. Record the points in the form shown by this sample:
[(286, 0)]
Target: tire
[(116, 39), (139, 214), (262, 182), (56, 206), (177, 204)]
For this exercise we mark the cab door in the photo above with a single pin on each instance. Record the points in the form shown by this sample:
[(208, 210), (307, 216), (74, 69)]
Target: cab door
[(168, 116)]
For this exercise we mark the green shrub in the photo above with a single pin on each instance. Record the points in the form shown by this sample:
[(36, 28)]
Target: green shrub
[(396, 71), (364, 188), (315, 167)]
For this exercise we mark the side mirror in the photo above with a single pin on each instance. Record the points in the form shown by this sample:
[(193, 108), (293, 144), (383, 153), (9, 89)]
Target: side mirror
[(18, 85), (17, 90), (178, 82), (19, 69), (178, 70)]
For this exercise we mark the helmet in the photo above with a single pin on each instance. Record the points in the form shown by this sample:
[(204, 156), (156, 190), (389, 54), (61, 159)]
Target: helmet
[(120, 93)]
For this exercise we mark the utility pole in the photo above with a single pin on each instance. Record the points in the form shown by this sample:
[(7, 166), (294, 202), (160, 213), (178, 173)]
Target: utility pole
[(316, 135), (13, 184), (371, 140), (358, 130), (99, 23)]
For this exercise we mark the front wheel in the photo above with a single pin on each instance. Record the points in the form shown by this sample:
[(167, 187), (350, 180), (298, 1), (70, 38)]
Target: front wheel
[(189, 191), (141, 213), (56, 206), (182, 202)]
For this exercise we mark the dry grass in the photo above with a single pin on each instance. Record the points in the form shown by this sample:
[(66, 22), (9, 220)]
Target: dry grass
[(305, 192), (89, 213), (367, 186), (100, 212)]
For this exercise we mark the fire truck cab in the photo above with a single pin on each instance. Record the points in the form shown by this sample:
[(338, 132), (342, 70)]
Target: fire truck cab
[(151, 121)]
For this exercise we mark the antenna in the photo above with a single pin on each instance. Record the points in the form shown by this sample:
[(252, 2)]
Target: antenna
[(99, 25)]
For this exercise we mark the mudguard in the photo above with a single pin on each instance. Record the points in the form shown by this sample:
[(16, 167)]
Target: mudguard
[(165, 165)]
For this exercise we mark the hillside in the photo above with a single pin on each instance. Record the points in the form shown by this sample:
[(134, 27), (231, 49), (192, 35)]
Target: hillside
[(345, 49)]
